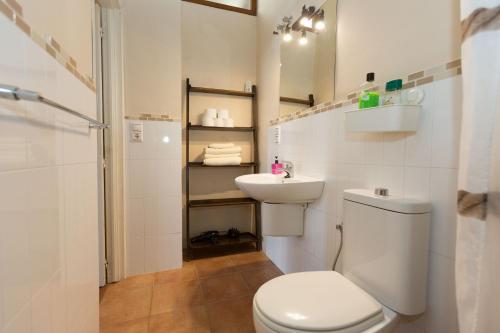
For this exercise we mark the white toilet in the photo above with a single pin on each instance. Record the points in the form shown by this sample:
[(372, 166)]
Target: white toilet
[(384, 274)]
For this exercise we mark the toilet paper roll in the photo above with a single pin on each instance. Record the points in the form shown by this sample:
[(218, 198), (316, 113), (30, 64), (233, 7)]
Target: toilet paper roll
[(223, 114), (210, 113), (208, 121), (228, 122), (219, 122)]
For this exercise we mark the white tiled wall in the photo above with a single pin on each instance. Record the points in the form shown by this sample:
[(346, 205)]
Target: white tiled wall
[(422, 165), (48, 197), (153, 214)]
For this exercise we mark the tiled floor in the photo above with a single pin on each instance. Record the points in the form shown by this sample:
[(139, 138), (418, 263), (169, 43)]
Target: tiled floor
[(207, 295)]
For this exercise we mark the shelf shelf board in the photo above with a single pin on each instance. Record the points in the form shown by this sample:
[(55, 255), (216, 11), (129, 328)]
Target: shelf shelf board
[(221, 202), (220, 92), (295, 100), (224, 129), (201, 165), (386, 118), (225, 241)]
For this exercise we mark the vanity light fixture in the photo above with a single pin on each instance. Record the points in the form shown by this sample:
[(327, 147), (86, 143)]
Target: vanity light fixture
[(306, 22), (311, 20), (303, 40), (307, 16), (286, 29), (288, 34), (319, 20)]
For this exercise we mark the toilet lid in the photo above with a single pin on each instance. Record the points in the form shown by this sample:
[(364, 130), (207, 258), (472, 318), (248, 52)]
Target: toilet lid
[(315, 301)]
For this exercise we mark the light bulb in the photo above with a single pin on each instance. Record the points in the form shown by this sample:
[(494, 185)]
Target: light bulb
[(320, 25), (287, 37), (303, 39), (306, 22)]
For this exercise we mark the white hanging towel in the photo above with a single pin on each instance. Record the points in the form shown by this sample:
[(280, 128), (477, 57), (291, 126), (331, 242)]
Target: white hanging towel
[(207, 156), (221, 145), (222, 161), (221, 151)]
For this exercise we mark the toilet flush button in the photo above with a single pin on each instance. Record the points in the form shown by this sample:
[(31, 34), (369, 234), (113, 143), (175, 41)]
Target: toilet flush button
[(383, 192)]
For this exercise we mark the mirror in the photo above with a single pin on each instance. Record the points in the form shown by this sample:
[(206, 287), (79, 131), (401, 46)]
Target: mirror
[(246, 4), (240, 6), (308, 70)]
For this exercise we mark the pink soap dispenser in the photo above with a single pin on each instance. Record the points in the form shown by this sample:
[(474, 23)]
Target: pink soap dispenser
[(276, 167)]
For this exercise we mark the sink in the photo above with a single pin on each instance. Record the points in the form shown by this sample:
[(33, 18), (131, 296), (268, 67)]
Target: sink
[(271, 188)]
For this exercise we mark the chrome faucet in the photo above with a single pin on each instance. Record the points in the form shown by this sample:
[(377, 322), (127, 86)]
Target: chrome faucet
[(288, 169)]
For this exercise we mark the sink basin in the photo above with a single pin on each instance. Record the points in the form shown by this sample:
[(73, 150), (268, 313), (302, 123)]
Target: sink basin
[(271, 188)]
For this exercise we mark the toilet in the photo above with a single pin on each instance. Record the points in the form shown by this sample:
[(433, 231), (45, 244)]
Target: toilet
[(386, 240)]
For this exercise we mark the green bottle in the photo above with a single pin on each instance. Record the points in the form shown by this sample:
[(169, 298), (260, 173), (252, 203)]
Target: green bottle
[(368, 98)]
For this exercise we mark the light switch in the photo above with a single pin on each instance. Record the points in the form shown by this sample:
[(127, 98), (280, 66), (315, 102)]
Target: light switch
[(277, 134), (136, 132)]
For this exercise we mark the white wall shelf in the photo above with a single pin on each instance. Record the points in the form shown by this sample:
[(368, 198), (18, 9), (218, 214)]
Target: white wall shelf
[(388, 118)]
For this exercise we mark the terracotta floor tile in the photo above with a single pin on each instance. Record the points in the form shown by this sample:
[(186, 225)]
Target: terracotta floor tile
[(134, 282), (214, 266), (205, 296), (231, 316), (224, 287), (185, 320), (175, 295), (258, 277), (250, 261), (186, 273), (134, 326), (128, 305)]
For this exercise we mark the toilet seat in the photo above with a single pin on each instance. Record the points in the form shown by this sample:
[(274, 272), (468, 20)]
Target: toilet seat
[(316, 302)]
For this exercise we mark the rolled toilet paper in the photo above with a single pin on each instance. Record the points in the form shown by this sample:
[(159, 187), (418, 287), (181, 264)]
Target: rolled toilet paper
[(228, 122), (223, 114), (210, 113), (219, 122), (208, 121)]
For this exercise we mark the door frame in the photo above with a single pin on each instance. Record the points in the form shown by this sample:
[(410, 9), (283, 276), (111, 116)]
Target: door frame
[(109, 69), (101, 159)]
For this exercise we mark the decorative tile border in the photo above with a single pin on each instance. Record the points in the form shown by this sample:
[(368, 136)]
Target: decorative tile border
[(447, 70), (152, 117), (14, 12)]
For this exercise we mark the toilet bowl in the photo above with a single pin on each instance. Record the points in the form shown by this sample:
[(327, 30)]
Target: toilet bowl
[(318, 302), (384, 274)]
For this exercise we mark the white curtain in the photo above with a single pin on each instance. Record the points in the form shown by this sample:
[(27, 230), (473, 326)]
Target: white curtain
[(478, 229)]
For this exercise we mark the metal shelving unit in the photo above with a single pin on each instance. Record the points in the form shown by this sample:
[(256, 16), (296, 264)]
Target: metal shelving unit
[(224, 242)]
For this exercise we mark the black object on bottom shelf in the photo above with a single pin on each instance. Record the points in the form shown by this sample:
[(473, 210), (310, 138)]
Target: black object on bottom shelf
[(225, 241)]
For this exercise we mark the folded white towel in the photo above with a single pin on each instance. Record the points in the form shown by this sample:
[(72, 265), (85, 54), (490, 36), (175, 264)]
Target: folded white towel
[(221, 151), (207, 156), (221, 145), (222, 161)]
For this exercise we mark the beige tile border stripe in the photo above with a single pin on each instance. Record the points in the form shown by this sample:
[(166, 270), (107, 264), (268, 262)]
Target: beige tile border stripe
[(152, 117), (447, 70), (14, 12)]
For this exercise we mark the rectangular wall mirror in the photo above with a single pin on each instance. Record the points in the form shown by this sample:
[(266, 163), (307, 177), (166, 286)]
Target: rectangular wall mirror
[(248, 7), (308, 70)]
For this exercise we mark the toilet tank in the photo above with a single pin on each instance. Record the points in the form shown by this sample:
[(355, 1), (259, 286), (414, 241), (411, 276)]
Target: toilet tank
[(386, 243)]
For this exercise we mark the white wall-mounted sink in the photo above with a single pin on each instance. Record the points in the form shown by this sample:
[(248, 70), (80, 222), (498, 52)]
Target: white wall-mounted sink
[(271, 188)]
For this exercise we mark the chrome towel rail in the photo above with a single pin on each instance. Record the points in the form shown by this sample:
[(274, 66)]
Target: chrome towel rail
[(16, 94)]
